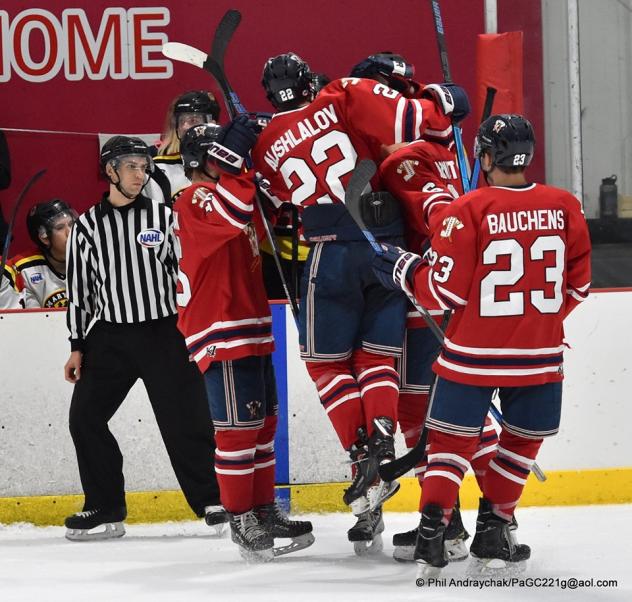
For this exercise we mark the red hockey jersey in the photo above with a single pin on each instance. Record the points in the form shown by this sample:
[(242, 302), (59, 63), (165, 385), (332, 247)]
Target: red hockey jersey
[(424, 177), (511, 263), (308, 154), (223, 310)]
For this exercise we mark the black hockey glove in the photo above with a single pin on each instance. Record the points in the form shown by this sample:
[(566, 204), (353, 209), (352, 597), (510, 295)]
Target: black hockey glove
[(395, 268), (233, 144), (451, 98)]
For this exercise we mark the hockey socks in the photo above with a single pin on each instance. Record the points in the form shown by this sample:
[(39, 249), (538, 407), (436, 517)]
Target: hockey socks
[(340, 396), (379, 385), (508, 471), (264, 464)]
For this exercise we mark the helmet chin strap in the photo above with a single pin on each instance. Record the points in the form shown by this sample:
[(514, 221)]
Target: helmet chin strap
[(118, 186), (207, 174)]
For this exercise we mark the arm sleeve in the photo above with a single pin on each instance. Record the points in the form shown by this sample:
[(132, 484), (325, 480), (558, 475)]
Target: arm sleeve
[(421, 192), (78, 288), (382, 116), (578, 269), (220, 214), (446, 283)]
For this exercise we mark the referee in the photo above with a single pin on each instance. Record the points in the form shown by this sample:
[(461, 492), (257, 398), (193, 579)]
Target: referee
[(121, 286)]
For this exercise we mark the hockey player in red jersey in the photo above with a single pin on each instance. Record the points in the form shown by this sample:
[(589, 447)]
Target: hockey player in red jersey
[(512, 260), (350, 331), (225, 318)]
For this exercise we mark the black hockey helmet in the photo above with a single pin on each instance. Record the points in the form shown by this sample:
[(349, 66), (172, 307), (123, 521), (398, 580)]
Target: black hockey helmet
[(287, 80), (41, 219), (508, 138), (197, 101), (319, 81), (195, 144), (119, 146), (393, 68)]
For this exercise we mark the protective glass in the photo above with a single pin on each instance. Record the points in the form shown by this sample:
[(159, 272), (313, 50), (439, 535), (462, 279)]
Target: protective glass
[(188, 120)]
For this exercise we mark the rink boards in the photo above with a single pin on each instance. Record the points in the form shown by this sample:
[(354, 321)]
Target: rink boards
[(590, 461)]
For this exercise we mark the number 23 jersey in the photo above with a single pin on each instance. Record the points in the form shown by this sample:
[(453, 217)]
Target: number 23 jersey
[(512, 263)]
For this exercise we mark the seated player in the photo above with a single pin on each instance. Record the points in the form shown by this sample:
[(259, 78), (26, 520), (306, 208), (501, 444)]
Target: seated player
[(42, 274), (188, 109), (9, 295), (225, 318)]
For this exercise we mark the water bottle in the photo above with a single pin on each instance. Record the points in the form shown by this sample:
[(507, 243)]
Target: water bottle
[(608, 196)]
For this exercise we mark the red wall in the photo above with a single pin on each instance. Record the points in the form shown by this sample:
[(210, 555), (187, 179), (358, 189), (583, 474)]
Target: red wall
[(330, 35)]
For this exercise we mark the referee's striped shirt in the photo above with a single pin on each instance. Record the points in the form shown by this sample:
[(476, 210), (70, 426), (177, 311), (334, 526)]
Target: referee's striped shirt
[(121, 266)]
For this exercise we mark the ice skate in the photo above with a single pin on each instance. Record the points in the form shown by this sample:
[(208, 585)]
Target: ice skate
[(494, 546), (216, 517), (91, 525), (455, 537), (366, 533), (430, 553), (254, 541), (365, 473), (381, 450), (280, 526)]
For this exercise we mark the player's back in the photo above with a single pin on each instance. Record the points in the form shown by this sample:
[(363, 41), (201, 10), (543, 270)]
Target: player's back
[(308, 154), (423, 176), (528, 254)]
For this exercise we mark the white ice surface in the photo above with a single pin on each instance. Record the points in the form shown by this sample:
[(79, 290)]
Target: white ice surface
[(180, 561)]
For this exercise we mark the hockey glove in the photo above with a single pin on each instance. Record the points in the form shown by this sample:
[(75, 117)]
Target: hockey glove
[(233, 144), (395, 268), (451, 98)]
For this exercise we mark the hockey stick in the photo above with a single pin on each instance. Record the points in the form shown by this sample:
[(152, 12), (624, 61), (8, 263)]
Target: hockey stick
[(14, 212), (447, 78), (360, 177), (487, 111), (187, 54)]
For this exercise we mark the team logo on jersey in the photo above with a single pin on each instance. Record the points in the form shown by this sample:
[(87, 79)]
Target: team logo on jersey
[(449, 225), (407, 169), (150, 238), (254, 407), (499, 125), (211, 350), (36, 277), (204, 198), (57, 299)]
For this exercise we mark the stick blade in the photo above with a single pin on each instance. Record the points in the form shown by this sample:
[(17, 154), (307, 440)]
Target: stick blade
[(184, 53), (359, 180), (223, 34)]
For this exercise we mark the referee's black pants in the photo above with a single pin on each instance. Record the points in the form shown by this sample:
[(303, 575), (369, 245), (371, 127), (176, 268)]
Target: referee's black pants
[(115, 356)]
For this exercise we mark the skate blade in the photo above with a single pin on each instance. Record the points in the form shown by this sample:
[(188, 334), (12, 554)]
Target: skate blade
[(495, 567), (456, 550), (404, 553), (369, 548), (378, 494), (256, 556), (104, 531), (219, 530), (298, 543), (426, 571)]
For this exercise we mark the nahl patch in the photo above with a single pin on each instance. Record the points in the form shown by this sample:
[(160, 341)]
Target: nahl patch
[(449, 224)]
